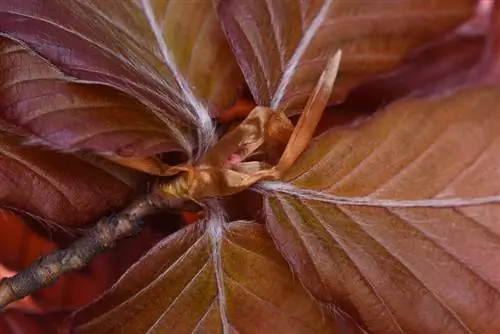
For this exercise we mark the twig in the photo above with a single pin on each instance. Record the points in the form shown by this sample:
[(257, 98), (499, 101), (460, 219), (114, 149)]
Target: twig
[(96, 240)]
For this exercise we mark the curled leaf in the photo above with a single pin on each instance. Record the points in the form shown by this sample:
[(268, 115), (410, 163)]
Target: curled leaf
[(172, 55), (65, 189), (37, 97), (282, 46), (396, 268)]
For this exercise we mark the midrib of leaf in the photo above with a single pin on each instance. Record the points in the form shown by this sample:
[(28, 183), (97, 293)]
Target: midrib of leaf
[(128, 83), (289, 189), (216, 233), (292, 64), (200, 110), (434, 202), (109, 20), (319, 217)]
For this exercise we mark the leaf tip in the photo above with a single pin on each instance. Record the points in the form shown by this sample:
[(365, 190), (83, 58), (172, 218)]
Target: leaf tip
[(331, 70)]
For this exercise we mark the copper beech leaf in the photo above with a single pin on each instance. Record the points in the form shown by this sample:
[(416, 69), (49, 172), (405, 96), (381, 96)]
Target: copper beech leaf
[(17, 321), (447, 63), (431, 267), (208, 278), (282, 46), (172, 55), (68, 189), (35, 96)]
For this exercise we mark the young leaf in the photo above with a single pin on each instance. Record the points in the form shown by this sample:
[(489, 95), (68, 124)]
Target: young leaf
[(36, 96), (209, 279), (282, 46), (429, 267), (61, 188), (170, 54)]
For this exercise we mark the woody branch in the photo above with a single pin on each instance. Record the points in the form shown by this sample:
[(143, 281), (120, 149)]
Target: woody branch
[(191, 183), (98, 239)]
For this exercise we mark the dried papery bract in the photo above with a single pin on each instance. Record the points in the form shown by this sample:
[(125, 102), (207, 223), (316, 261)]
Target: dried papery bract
[(213, 177)]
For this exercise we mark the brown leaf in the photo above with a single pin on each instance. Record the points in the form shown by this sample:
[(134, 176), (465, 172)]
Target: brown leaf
[(207, 279), (170, 54), (450, 62), (67, 189), (282, 46), (431, 267), (36, 96), (21, 322)]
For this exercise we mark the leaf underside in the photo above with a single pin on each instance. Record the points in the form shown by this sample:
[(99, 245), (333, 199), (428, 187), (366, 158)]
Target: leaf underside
[(401, 270)]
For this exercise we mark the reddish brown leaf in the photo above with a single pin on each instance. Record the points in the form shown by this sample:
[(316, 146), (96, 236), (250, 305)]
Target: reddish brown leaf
[(208, 279), (429, 267), (459, 59), (446, 64), (170, 54), (22, 322), (282, 46), (67, 189), (35, 96)]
